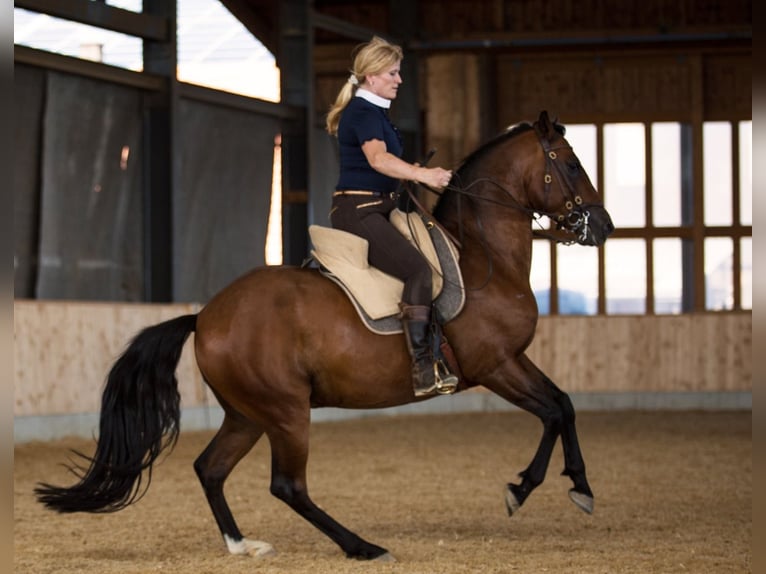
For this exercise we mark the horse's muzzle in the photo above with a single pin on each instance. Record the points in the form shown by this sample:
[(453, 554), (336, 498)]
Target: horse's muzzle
[(591, 224)]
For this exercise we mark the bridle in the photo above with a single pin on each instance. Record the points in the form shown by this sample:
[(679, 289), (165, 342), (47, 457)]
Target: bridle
[(577, 216)]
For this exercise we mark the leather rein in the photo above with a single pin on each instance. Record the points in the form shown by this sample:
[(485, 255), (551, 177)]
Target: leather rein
[(575, 220)]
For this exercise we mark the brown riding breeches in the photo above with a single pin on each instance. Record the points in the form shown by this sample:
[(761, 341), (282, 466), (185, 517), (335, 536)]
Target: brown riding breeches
[(389, 251)]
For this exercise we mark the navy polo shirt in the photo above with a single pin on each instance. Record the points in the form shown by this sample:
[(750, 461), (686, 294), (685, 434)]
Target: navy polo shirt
[(362, 121)]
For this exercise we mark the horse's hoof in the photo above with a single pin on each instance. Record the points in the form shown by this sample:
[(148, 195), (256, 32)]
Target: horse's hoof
[(254, 548), (584, 501), (387, 557), (512, 503)]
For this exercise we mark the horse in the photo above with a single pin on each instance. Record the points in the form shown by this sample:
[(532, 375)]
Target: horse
[(281, 340)]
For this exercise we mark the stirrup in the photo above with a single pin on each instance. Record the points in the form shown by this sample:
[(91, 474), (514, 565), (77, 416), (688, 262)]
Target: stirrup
[(446, 382)]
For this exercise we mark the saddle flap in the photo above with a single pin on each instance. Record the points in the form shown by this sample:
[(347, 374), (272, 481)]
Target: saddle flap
[(335, 244), (345, 255)]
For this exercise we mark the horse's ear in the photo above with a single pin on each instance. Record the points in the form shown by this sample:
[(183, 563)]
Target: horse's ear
[(543, 125)]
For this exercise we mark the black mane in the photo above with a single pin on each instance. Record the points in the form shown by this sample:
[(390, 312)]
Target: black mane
[(502, 136), (510, 132), (446, 198)]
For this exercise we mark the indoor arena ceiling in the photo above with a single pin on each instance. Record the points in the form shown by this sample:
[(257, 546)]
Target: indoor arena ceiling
[(528, 25)]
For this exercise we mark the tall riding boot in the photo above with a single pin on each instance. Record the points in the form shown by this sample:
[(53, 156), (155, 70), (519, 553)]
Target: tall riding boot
[(416, 321)]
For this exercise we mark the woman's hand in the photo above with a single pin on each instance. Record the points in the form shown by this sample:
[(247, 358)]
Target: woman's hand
[(388, 164), (434, 177)]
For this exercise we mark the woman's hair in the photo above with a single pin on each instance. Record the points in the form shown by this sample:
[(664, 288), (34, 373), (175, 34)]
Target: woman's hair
[(371, 58)]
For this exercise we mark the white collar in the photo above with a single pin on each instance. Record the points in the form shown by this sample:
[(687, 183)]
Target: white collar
[(373, 98)]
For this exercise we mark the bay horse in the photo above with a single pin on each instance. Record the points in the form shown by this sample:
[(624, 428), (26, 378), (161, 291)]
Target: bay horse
[(279, 341)]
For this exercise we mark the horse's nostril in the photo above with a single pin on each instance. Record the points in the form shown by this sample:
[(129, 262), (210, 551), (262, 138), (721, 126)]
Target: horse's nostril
[(608, 227)]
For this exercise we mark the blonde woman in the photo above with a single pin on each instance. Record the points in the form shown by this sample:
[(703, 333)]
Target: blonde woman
[(370, 169)]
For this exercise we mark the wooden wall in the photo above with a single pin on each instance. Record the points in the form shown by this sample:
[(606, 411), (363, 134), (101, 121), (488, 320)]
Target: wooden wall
[(63, 351), (660, 353), (464, 19), (469, 18), (463, 109)]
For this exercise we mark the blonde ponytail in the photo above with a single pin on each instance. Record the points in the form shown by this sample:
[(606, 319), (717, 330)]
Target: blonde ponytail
[(333, 117)]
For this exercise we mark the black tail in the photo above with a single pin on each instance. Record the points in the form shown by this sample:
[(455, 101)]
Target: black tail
[(140, 412)]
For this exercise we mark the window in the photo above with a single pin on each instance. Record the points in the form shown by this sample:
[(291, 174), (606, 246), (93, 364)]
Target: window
[(746, 272), (668, 275), (577, 279), (214, 48), (624, 174), (746, 173), (625, 276), (716, 140), (718, 274), (45, 32), (666, 174)]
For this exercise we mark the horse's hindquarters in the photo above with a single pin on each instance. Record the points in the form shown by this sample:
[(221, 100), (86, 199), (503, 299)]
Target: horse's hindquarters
[(288, 336)]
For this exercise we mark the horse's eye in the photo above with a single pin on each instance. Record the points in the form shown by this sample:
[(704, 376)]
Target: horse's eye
[(573, 165)]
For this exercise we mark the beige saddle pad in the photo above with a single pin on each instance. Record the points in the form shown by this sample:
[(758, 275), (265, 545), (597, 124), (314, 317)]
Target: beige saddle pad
[(345, 256)]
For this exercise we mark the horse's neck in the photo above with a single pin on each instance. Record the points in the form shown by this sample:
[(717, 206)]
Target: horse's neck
[(498, 232), (510, 243), (493, 216)]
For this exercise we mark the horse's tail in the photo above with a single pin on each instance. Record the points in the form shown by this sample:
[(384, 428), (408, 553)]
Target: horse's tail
[(140, 413)]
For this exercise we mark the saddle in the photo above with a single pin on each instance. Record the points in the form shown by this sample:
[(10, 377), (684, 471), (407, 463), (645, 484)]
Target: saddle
[(342, 257)]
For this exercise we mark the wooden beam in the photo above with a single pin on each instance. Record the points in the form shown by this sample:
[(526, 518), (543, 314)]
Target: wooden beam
[(161, 148), (100, 15), (87, 68), (221, 98), (565, 40), (347, 29)]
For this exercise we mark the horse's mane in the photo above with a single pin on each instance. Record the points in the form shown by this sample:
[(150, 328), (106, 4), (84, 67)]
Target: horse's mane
[(508, 133), (502, 136)]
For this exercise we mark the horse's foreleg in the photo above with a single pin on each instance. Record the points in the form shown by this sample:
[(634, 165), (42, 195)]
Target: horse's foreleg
[(525, 386), (574, 465), (289, 450), (534, 474), (233, 441)]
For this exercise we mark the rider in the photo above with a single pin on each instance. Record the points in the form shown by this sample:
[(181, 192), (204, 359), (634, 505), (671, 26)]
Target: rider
[(370, 170)]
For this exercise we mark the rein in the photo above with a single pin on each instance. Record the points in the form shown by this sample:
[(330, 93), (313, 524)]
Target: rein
[(574, 221)]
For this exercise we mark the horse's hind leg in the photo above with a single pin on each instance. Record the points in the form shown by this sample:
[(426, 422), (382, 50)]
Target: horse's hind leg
[(289, 448), (233, 441)]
